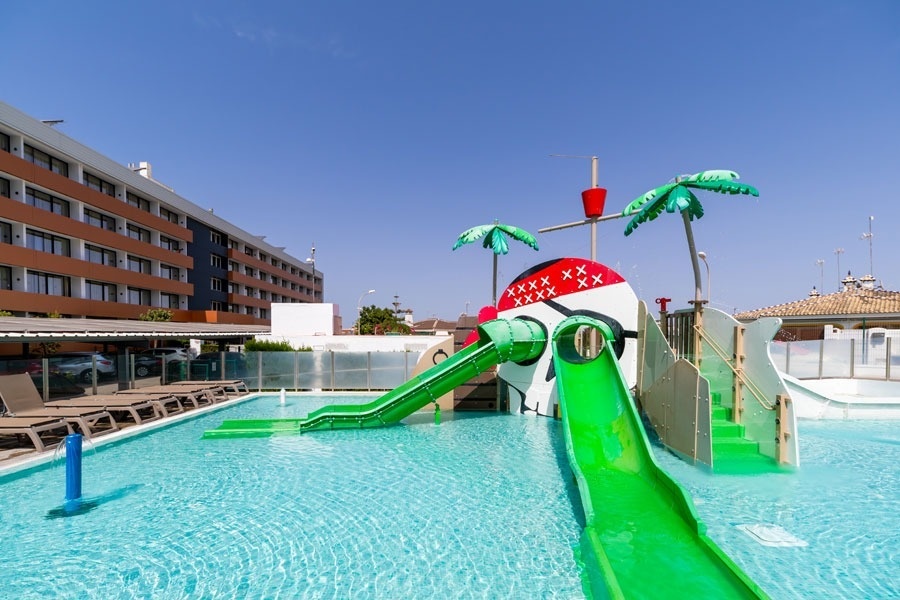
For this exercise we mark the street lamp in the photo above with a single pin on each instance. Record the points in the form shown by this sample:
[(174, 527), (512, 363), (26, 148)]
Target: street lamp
[(312, 261), (702, 256), (359, 309)]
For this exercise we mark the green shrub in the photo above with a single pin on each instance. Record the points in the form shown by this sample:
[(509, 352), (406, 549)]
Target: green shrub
[(267, 346)]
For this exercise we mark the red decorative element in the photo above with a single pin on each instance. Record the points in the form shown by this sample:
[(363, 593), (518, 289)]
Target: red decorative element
[(662, 303), (593, 200), (559, 278), (487, 313)]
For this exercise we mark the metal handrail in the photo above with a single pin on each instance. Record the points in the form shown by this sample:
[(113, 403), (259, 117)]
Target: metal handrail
[(760, 397)]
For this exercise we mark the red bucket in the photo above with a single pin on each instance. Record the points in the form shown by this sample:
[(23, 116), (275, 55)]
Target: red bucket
[(593, 200)]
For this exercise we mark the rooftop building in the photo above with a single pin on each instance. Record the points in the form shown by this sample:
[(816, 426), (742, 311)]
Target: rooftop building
[(83, 236)]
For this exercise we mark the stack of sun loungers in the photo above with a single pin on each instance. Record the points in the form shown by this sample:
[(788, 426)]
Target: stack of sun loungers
[(22, 399), (46, 425)]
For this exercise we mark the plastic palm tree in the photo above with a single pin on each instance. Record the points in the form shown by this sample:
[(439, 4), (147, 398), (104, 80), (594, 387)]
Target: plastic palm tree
[(676, 196), (495, 238)]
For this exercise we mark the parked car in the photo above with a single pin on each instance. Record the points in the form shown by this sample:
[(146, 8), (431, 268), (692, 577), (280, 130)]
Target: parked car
[(146, 365), (79, 365), (167, 354)]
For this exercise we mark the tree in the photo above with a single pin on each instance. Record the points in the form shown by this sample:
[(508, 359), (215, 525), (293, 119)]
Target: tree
[(676, 196), (374, 320), (495, 238), (156, 314)]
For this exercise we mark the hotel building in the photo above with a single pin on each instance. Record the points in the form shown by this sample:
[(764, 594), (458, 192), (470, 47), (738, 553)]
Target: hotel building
[(83, 236)]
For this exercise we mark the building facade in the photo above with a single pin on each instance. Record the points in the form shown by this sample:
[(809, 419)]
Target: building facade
[(82, 236)]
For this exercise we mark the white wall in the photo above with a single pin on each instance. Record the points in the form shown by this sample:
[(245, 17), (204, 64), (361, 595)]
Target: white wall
[(303, 319)]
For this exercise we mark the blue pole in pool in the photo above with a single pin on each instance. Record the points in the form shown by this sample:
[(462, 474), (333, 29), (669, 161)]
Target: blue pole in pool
[(73, 470)]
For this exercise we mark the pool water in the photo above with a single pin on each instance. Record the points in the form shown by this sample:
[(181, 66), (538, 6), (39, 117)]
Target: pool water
[(844, 502), (480, 506), (474, 507)]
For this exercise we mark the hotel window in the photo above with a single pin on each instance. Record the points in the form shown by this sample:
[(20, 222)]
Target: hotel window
[(250, 292), (98, 219), (42, 159), (216, 305), (101, 185), (263, 313), (217, 261), (249, 251), (100, 256), (101, 291), (215, 237), (138, 233), (5, 278), (263, 295), (137, 201), (233, 244), (4, 142), (233, 287), (49, 285), (138, 296), (168, 215), (4, 187), (46, 202), (263, 257), (249, 272), (138, 265), (46, 242), (169, 272), (168, 243), (215, 284), (168, 300), (5, 233), (263, 276), (232, 266)]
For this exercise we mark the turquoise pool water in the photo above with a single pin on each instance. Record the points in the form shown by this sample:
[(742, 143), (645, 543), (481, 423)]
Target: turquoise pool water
[(477, 507), (473, 508), (844, 502)]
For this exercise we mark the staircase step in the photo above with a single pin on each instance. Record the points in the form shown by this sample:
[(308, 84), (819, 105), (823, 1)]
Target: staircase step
[(734, 447), (750, 464), (720, 413), (727, 429)]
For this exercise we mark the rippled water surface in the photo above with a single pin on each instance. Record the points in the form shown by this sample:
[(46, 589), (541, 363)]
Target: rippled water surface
[(476, 507)]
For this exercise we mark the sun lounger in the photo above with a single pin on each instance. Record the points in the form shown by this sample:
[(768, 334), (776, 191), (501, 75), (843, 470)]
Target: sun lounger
[(196, 396), (129, 405), (33, 427), (231, 386), (23, 400)]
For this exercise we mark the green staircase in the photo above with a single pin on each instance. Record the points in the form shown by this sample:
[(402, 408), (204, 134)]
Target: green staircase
[(732, 451)]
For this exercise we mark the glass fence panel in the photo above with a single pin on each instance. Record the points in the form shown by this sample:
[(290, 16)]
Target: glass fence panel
[(351, 371), (278, 370), (389, 369), (803, 359), (837, 358), (779, 353), (314, 370)]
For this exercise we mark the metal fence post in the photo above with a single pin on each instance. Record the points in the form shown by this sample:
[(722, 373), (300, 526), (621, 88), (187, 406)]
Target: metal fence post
[(296, 371)]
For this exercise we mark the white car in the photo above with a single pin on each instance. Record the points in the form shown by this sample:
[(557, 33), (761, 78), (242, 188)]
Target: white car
[(167, 354)]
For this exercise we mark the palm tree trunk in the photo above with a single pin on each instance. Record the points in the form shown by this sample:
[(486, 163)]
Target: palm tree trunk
[(494, 291), (698, 292), (689, 233)]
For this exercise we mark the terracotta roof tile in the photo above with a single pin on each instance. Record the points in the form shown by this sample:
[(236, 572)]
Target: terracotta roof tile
[(861, 302)]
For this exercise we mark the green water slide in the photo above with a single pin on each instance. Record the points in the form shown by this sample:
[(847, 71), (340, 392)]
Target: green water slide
[(642, 537), (499, 341)]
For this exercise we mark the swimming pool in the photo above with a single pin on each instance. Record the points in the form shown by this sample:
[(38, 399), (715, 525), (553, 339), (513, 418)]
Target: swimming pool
[(475, 507), (844, 502), (479, 506)]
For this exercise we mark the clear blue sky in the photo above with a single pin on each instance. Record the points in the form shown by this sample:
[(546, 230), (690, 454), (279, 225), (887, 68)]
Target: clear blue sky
[(382, 130)]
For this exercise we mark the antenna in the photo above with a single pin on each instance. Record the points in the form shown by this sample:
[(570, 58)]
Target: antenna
[(869, 236)]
